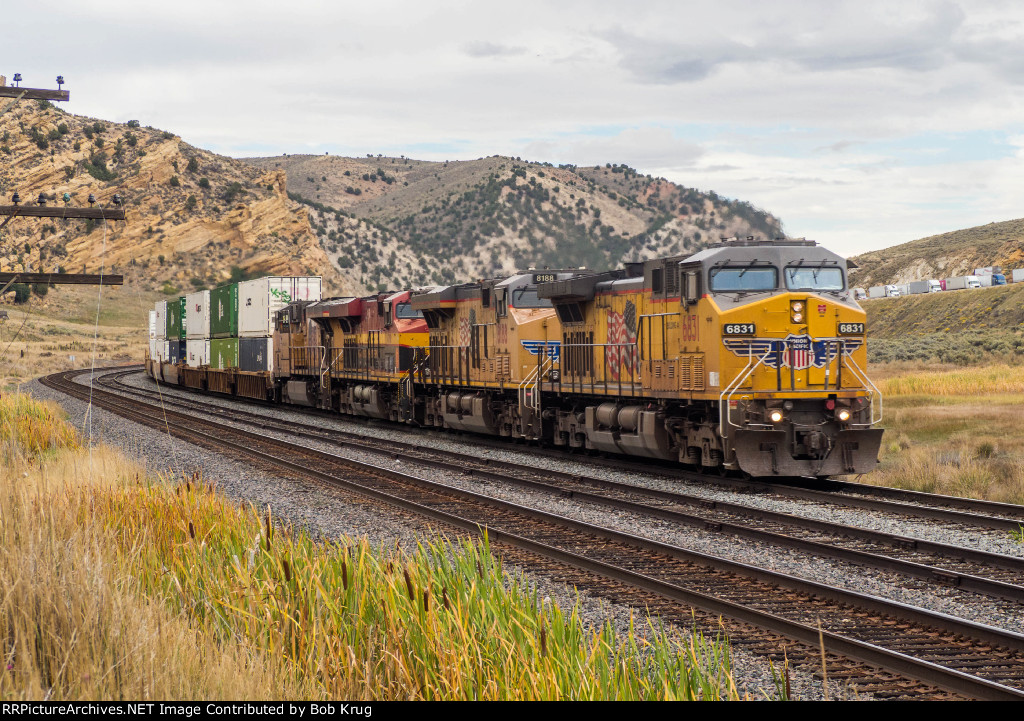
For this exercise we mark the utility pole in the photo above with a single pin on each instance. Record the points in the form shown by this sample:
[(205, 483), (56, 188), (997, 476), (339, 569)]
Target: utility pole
[(41, 210)]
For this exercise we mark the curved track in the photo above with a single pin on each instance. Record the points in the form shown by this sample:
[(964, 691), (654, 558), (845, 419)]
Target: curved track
[(971, 570), (964, 657)]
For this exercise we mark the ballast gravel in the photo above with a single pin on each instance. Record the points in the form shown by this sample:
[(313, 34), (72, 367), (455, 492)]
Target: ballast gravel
[(915, 592), (331, 512)]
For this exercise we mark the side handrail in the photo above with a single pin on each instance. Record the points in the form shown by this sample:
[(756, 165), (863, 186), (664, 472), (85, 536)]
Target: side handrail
[(730, 390), (873, 391)]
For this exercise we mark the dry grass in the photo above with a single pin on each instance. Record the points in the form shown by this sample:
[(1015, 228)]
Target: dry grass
[(56, 333), (966, 382), (118, 587), (76, 624), (953, 431)]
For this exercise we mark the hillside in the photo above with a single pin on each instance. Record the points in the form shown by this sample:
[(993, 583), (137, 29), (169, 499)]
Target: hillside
[(397, 221), (196, 219), (943, 256), (957, 327), (192, 215)]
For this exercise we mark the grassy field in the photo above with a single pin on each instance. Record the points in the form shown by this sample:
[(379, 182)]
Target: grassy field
[(953, 430), (119, 585), (60, 331)]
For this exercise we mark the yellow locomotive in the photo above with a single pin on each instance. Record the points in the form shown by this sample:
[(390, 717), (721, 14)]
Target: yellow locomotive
[(490, 345), (748, 355)]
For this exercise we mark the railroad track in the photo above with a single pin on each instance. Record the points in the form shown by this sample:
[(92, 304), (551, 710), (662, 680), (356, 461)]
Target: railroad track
[(769, 609), (941, 564)]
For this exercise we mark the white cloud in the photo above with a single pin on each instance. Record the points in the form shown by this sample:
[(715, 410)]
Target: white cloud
[(782, 104)]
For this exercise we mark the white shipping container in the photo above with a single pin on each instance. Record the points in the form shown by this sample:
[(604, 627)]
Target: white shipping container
[(152, 325), (259, 299), (197, 315), (197, 352), (1018, 275), (161, 319)]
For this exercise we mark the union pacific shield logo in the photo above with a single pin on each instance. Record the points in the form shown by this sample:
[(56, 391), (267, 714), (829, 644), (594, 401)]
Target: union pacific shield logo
[(536, 347), (798, 352)]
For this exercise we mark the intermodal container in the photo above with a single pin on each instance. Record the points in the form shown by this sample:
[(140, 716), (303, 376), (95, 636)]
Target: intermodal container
[(175, 352), (173, 320), (260, 299), (161, 319), (183, 331), (198, 350), (197, 315), (224, 311), (223, 353), (256, 354)]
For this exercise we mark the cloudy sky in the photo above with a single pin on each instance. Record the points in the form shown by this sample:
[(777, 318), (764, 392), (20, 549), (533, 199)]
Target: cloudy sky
[(860, 124)]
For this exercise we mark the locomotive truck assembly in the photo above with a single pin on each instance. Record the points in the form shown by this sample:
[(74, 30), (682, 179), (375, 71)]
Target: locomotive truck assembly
[(747, 356)]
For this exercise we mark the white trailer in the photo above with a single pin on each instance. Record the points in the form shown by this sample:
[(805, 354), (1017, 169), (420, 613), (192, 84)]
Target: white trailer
[(962, 282), (1018, 275)]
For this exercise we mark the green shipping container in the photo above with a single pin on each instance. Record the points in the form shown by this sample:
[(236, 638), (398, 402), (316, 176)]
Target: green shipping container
[(173, 323), (182, 302), (224, 353), (224, 311)]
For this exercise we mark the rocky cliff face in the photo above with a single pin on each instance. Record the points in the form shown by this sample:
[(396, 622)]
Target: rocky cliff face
[(196, 219), (192, 216)]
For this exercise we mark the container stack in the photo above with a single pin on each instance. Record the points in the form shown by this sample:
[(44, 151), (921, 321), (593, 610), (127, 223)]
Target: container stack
[(197, 328), (258, 302), (224, 327)]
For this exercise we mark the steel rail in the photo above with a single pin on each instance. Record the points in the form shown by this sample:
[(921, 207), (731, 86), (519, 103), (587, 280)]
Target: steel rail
[(463, 464), (923, 670)]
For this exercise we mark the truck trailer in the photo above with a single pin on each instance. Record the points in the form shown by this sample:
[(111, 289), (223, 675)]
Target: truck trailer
[(963, 282), (924, 286)]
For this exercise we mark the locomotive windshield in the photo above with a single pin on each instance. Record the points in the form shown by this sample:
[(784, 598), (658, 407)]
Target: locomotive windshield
[(527, 298), (405, 312), (811, 278), (749, 278)]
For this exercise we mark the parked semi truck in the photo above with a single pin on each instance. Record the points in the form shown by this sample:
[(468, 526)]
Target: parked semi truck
[(963, 282)]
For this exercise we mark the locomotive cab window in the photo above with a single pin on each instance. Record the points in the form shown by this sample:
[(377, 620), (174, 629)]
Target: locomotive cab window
[(404, 311), (813, 278), (744, 279), (527, 298)]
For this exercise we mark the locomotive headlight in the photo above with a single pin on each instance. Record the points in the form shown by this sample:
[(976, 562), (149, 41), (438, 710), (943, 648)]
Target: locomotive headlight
[(796, 311), (843, 414), (775, 416)]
